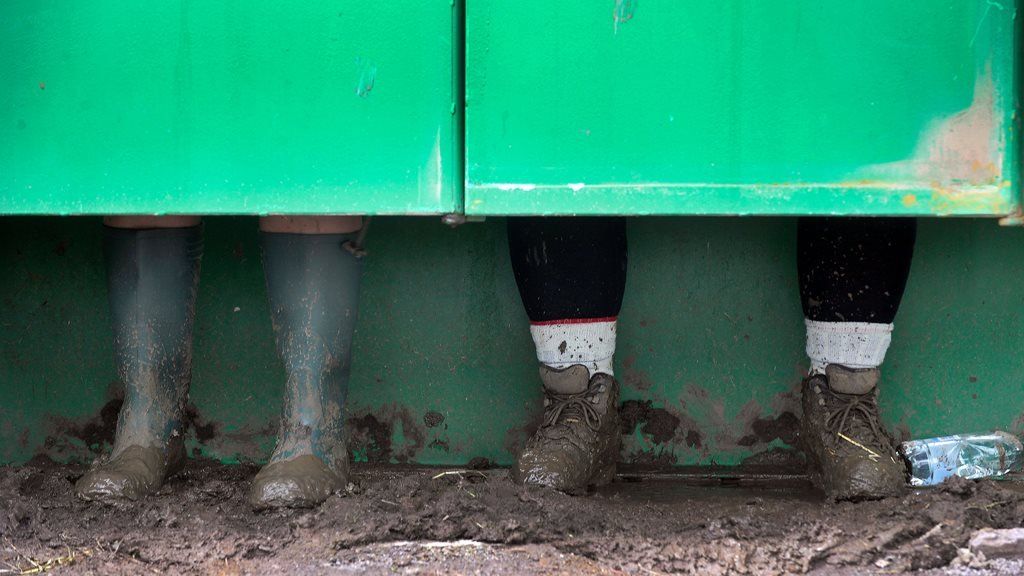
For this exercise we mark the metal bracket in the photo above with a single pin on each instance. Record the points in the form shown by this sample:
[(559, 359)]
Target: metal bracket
[(356, 247), (1015, 219), (455, 220)]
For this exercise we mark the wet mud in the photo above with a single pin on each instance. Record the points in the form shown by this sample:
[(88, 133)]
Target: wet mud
[(414, 520), (94, 433), (785, 427), (433, 419), (371, 435), (659, 423), (201, 429)]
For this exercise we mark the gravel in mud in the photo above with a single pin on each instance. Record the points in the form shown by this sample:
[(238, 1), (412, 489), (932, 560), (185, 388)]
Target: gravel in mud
[(420, 521)]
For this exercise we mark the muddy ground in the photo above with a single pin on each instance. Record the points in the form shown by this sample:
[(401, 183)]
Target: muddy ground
[(416, 521)]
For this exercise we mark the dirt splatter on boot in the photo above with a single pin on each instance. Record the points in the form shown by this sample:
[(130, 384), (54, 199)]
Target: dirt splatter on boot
[(312, 287), (577, 444), (152, 280), (842, 430)]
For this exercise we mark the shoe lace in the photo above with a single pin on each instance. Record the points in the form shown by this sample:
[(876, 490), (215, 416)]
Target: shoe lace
[(563, 408), (851, 410)]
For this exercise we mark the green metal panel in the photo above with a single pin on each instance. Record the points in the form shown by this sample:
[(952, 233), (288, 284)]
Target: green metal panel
[(262, 106), (711, 334), (741, 107)]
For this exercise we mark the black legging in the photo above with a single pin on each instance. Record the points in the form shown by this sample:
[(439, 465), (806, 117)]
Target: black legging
[(851, 269), (569, 268), (854, 269)]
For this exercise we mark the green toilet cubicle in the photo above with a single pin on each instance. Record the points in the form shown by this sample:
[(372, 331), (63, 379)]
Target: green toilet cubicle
[(229, 108), (491, 108), (741, 107)]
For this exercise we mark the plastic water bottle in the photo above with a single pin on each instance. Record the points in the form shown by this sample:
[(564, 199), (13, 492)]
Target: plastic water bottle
[(968, 456)]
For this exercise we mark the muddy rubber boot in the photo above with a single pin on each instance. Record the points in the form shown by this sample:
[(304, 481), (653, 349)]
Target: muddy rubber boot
[(577, 444), (313, 287), (856, 457), (152, 280)]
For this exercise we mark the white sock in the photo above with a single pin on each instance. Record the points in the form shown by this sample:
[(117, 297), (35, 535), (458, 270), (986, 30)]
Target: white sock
[(563, 343), (855, 345)]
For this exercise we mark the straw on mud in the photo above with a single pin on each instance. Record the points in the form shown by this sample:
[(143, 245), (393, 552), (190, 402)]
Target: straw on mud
[(931, 532), (874, 455), (459, 473), (41, 567), (990, 505), (116, 550)]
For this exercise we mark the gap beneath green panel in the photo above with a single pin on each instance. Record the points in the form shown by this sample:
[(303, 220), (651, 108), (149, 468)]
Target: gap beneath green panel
[(711, 336)]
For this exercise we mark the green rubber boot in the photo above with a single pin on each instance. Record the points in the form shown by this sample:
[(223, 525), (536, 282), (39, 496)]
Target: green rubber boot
[(843, 432), (313, 287), (152, 280), (577, 444)]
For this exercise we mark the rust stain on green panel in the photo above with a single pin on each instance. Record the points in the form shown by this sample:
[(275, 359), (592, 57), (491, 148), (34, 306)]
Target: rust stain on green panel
[(963, 151)]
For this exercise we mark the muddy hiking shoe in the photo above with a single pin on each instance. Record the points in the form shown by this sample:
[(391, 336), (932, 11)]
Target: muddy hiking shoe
[(577, 444), (856, 457)]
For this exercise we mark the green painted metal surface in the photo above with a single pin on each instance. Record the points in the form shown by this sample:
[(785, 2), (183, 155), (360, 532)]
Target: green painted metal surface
[(319, 106), (711, 334), (741, 107)]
